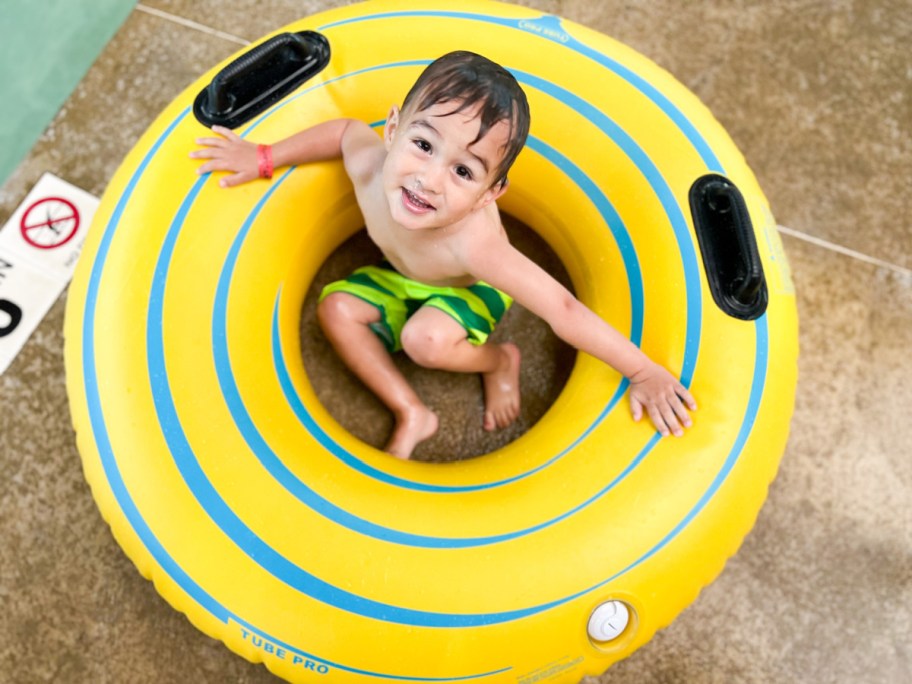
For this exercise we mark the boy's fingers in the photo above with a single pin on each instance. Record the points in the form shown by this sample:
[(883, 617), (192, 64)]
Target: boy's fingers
[(210, 142), (210, 166), (235, 179), (637, 408), (671, 420), (226, 132), (681, 412), (687, 397), (658, 420), (205, 153), (211, 147), (219, 164)]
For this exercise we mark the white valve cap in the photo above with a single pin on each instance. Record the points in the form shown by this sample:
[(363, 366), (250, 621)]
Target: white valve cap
[(608, 621)]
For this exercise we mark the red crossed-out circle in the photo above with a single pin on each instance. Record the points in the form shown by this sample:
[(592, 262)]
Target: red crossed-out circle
[(49, 223)]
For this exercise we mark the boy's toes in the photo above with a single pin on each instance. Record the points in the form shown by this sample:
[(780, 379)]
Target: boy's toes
[(500, 417), (490, 423)]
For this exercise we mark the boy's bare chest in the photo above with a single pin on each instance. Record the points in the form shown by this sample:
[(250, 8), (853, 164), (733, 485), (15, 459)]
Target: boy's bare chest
[(428, 256)]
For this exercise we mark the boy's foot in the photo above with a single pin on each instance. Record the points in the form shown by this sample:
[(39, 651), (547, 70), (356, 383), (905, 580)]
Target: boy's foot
[(412, 427), (501, 388)]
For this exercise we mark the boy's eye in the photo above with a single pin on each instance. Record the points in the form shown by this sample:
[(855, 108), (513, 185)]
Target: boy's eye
[(423, 145), (463, 172)]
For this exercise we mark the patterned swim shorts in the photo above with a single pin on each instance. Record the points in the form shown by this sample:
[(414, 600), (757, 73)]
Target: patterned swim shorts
[(477, 307)]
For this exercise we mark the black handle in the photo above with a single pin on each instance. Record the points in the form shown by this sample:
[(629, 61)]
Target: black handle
[(261, 77), (729, 248)]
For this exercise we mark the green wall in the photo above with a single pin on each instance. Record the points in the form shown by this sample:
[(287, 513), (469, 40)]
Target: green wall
[(46, 47)]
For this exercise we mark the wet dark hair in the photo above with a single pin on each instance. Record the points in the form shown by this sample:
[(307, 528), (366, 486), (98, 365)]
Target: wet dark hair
[(470, 80)]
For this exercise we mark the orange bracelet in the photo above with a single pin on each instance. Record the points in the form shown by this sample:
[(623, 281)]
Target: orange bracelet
[(264, 161)]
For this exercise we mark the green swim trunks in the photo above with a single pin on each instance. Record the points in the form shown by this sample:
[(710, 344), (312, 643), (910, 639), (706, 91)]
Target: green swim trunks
[(477, 308)]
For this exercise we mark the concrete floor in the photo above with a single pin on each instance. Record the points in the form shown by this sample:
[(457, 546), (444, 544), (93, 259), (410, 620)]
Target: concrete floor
[(818, 95)]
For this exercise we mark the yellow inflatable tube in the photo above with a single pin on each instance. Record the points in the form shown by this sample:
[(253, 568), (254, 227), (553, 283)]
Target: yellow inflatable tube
[(274, 530)]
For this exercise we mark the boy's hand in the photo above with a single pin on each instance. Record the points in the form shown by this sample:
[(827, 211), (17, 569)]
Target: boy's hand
[(228, 152), (664, 399)]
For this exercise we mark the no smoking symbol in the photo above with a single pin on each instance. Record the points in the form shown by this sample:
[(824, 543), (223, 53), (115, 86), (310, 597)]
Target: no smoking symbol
[(50, 223)]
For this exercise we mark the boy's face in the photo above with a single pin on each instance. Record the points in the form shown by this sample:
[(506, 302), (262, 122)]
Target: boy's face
[(433, 175)]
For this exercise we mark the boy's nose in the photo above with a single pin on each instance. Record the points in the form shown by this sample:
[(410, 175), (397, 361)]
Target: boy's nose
[(431, 177)]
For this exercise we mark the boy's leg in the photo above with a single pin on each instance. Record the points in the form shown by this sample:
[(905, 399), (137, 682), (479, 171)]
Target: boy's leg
[(345, 320), (434, 339)]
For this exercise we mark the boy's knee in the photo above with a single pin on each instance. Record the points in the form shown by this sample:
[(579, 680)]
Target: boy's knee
[(335, 308), (327, 309), (425, 346)]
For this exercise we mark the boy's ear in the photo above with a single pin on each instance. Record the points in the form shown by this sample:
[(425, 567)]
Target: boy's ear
[(392, 123), (493, 193)]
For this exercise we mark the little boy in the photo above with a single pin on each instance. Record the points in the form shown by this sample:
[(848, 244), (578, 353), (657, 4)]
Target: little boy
[(428, 192)]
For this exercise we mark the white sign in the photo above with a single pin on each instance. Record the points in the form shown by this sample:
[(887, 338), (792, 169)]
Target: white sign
[(39, 247)]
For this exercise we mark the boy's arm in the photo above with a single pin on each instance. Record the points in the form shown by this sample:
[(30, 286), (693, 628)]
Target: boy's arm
[(329, 140), (652, 387)]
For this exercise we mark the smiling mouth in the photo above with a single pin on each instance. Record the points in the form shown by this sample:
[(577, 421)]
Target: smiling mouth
[(414, 203)]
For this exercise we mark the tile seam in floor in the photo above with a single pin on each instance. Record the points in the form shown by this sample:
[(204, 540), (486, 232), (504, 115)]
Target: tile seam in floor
[(189, 23), (824, 244)]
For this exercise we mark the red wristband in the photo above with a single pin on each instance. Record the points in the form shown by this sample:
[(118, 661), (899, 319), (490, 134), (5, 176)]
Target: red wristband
[(264, 161)]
